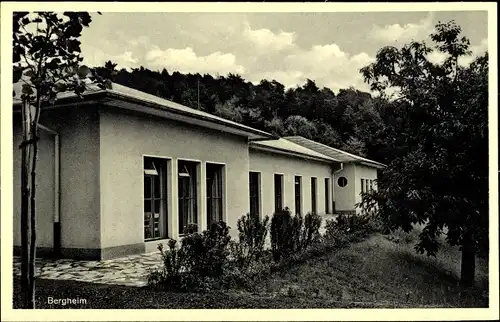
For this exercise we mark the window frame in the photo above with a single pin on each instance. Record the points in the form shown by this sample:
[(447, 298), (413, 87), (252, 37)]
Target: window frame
[(160, 175), (281, 198), (193, 197), (346, 182), (314, 195), (327, 195), (255, 199), (298, 194), (220, 169)]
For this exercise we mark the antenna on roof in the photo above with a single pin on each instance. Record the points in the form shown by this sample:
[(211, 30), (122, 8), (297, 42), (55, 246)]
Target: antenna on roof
[(198, 79)]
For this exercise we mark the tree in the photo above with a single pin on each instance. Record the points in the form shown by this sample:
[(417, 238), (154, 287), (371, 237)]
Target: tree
[(355, 146), (46, 59), (229, 110), (299, 125), (439, 174)]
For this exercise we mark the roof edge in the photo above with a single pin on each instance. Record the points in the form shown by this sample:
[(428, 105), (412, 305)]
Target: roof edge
[(110, 93), (241, 127), (291, 153), (358, 158)]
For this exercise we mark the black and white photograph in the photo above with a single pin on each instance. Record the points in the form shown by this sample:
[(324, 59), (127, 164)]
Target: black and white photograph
[(262, 156)]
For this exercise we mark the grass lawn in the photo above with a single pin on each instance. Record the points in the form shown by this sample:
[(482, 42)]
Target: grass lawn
[(383, 272), (373, 273)]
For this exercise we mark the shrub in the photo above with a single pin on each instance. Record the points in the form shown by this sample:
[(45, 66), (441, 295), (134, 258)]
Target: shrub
[(290, 235), (312, 224), (173, 265), (281, 234), (252, 238), (346, 228), (207, 253), (200, 263)]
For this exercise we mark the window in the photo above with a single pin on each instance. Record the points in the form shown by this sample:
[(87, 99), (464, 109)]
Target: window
[(155, 207), (187, 194), (254, 193), (362, 185), (214, 193), (342, 182), (327, 195), (367, 185), (314, 207), (371, 185), (298, 195), (278, 192)]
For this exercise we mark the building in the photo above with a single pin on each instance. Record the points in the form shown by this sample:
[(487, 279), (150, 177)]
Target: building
[(129, 170), (355, 176)]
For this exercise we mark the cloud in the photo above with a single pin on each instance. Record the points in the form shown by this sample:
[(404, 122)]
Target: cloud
[(438, 57), (476, 50), (139, 41), (266, 40), (96, 57), (186, 61), (289, 78), (407, 32), (330, 66)]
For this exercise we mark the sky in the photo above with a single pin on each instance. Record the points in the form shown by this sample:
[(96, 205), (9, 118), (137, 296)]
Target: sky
[(327, 47)]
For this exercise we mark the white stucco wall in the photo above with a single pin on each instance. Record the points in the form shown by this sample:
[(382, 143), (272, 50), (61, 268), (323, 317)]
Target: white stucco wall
[(268, 164), (366, 173), (44, 191), (126, 138), (79, 178), (344, 196), (347, 197)]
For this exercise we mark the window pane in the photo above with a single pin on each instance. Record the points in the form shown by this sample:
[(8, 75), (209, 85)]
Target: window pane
[(278, 192), (147, 205), (313, 195), (147, 187), (156, 187), (327, 195), (298, 197), (157, 203)]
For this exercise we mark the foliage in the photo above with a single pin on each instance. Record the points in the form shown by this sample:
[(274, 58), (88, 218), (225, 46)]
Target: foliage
[(431, 179), (200, 263), (311, 235), (207, 253), (281, 234), (252, 238), (292, 234)]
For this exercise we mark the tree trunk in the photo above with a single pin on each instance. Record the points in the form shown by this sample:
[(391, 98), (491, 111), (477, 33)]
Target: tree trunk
[(28, 205), (25, 200), (468, 262), (32, 267)]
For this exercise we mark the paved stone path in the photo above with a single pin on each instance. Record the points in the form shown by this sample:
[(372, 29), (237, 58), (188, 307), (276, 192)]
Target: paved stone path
[(130, 270)]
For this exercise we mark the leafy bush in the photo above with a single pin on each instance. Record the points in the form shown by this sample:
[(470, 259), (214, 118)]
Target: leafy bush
[(290, 235), (346, 228), (200, 263), (173, 264), (206, 254), (312, 224), (281, 234), (252, 238)]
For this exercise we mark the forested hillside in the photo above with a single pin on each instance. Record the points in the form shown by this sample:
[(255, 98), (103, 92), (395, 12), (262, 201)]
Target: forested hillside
[(350, 120)]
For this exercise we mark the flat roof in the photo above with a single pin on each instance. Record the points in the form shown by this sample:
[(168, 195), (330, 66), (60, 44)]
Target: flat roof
[(174, 110), (282, 145), (334, 153)]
